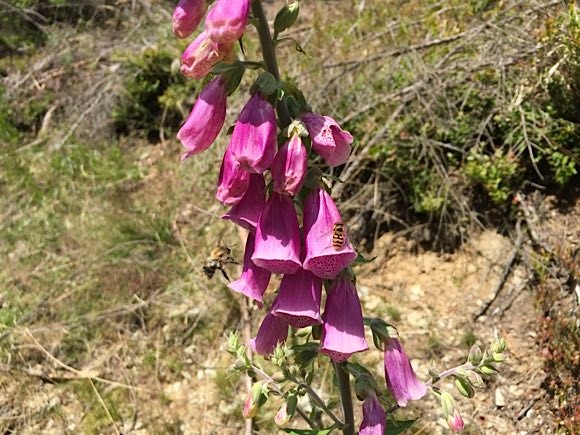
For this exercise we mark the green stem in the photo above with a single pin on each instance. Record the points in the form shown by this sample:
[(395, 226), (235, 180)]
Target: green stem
[(345, 398), (269, 55)]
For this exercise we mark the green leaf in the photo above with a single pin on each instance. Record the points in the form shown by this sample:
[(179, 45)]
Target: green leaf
[(360, 259), (308, 431), (266, 83), (305, 353), (395, 427)]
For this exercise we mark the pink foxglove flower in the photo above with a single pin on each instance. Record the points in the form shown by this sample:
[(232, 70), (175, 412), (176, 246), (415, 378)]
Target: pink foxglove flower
[(324, 256), (290, 166), (298, 301), (202, 54), (233, 181), (374, 420), (227, 20), (343, 331), (330, 141), (187, 16), (278, 236), (402, 382), (253, 141), (455, 421), (247, 211), (206, 119), (254, 281), (272, 331)]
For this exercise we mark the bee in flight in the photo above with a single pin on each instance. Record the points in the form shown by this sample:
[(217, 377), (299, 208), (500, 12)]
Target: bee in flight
[(217, 259), (338, 236)]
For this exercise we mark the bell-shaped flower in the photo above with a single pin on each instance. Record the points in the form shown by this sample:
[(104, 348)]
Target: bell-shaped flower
[(328, 250), (254, 281), (272, 331), (329, 141), (374, 420), (227, 20), (278, 236), (298, 301), (247, 211), (290, 166), (187, 16), (233, 181), (253, 141), (206, 119), (402, 382), (202, 55), (343, 331)]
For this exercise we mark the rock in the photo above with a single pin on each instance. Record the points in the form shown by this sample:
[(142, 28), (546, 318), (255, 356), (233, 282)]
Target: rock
[(499, 398)]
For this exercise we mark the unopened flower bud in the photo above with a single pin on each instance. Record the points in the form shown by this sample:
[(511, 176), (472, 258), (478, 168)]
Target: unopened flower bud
[(455, 421), (464, 387), (282, 417), (286, 17), (447, 403), (498, 345), (475, 379), (475, 355), (498, 357), (488, 369), (255, 400)]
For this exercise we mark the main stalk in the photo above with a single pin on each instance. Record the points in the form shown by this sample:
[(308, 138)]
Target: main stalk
[(269, 56)]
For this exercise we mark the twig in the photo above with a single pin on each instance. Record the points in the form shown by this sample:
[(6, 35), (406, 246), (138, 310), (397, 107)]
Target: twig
[(104, 406), (506, 272), (81, 374), (524, 411), (81, 118)]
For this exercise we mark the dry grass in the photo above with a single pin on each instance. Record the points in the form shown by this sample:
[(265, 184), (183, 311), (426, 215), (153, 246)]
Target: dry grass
[(107, 324)]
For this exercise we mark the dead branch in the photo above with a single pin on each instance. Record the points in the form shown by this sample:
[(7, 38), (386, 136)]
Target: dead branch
[(506, 272)]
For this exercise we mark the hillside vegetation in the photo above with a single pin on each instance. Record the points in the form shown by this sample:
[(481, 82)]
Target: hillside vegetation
[(457, 108)]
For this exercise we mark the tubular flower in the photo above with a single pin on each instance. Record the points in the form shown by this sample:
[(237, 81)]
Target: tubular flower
[(227, 20), (202, 54), (401, 379), (272, 331), (233, 181), (343, 330), (253, 141), (330, 141), (247, 211), (254, 281), (328, 250), (289, 167), (187, 16), (278, 236), (298, 301), (374, 420), (206, 119)]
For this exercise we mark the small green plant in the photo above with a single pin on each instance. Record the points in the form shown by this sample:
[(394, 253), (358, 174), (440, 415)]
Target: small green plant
[(495, 172)]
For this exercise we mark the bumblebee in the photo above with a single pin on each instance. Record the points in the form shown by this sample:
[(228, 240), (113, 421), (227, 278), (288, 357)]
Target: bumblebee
[(338, 236), (217, 259)]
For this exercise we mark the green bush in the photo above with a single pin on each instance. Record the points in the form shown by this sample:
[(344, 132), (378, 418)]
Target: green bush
[(156, 94)]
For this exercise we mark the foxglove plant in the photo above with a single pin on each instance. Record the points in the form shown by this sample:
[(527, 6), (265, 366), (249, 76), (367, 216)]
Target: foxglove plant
[(271, 179)]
